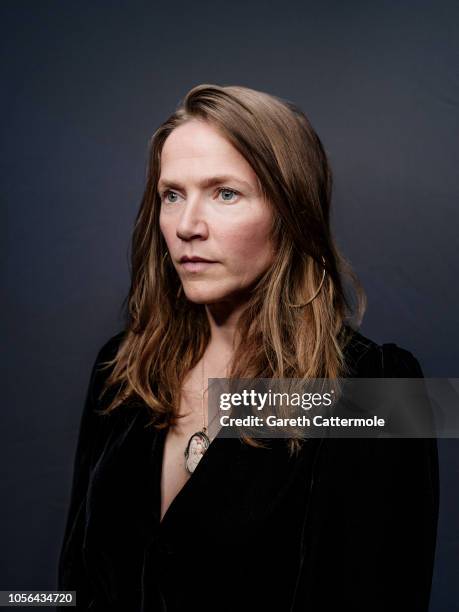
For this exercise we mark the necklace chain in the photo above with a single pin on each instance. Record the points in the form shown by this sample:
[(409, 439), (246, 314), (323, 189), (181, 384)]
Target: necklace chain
[(203, 391), (199, 442)]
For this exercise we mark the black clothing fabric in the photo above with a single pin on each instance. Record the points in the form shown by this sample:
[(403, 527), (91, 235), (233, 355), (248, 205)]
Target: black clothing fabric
[(348, 524)]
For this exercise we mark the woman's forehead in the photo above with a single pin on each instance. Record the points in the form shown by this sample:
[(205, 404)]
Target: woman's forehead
[(198, 152), (196, 139)]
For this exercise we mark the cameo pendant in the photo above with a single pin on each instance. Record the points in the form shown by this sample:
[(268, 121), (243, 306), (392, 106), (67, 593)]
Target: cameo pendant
[(196, 447)]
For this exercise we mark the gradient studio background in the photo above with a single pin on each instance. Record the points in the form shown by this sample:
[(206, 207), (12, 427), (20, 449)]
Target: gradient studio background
[(84, 86)]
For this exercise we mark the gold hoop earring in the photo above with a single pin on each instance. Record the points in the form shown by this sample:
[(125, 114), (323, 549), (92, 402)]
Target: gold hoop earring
[(316, 293)]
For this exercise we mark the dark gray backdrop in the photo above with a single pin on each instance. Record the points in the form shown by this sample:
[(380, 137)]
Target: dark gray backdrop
[(84, 86)]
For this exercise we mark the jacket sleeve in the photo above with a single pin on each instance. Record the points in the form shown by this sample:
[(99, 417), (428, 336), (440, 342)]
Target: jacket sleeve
[(370, 531), (71, 573)]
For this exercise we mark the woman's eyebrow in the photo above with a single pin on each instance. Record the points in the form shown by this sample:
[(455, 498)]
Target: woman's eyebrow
[(205, 183)]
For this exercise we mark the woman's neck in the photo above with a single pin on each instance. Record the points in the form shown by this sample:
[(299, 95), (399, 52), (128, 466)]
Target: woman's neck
[(223, 318)]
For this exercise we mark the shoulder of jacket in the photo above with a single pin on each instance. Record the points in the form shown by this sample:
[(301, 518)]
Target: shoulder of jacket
[(101, 367), (361, 353), (367, 358), (399, 362), (109, 349)]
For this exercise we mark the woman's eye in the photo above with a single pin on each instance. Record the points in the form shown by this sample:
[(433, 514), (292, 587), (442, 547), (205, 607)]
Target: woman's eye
[(227, 194), (166, 195)]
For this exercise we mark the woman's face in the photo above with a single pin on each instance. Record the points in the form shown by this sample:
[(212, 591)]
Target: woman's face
[(212, 207)]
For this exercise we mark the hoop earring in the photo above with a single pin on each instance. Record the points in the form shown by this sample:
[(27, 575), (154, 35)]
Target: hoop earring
[(316, 293)]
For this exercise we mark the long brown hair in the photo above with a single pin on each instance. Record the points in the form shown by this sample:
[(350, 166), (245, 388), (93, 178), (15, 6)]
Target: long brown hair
[(166, 334)]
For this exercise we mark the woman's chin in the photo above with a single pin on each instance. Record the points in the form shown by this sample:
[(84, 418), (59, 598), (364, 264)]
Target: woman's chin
[(198, 297)]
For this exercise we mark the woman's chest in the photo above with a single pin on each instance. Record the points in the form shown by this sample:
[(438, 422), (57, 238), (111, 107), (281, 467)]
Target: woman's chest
[(235, 492), (173, 475)]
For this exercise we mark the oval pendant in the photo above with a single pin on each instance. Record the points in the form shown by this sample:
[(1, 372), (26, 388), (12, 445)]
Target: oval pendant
[(196, 447)]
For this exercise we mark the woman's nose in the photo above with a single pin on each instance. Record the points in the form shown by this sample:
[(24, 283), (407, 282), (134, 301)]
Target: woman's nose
[(193, 218)]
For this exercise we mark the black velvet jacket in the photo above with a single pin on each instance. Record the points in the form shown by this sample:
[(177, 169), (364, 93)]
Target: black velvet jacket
[(347, 525)]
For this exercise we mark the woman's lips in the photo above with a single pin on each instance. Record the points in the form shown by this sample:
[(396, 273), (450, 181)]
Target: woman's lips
[(197, 266)]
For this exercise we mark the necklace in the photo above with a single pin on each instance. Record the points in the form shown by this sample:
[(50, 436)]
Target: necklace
[(199, 442)]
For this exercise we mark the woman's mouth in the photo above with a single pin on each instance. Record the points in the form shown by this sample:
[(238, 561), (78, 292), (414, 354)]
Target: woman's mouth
[(197, 266)]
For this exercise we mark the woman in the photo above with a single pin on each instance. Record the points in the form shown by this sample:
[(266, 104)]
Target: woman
[(163, 514)]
